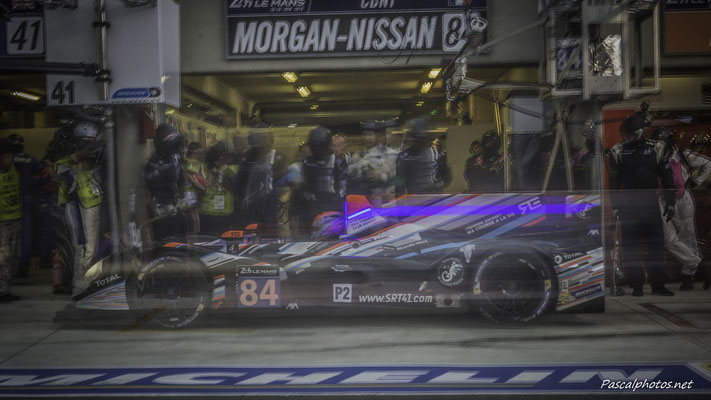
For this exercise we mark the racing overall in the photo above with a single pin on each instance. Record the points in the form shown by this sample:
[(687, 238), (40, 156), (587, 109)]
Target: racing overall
[(10, 224), (256, 185), (164, 176), (195, 185), (372, 173), (636, 166), (216, 205), (32, 175), (81, 193), (421, 168), (320, 189), (680, 232), (485, 173)]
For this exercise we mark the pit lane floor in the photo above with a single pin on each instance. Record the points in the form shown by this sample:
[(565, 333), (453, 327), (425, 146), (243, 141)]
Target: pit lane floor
[(637, 337)]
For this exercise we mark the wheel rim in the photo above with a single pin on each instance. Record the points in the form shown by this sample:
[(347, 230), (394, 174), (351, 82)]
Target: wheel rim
[(174, 292), (515, 289)]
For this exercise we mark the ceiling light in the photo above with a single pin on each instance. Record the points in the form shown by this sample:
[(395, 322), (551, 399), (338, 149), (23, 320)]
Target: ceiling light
[(25, 95), (419, 103), (303, 91), (292, 125), (290, 77), (314, 106), (434, 72), (426, 87)]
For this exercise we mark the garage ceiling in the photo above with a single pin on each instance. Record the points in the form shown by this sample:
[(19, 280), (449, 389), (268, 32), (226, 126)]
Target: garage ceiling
[(338, 98)]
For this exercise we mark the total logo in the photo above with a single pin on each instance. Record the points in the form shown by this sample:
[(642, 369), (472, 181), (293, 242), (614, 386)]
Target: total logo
[(105, 281), (563, 257)]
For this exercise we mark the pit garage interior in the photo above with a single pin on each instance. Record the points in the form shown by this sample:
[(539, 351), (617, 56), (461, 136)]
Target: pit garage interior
[(215, 107), (44, 333)]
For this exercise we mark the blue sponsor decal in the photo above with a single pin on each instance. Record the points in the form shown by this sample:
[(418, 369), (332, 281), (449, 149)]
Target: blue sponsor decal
[(586, 291), (471, 379), (136, 93)]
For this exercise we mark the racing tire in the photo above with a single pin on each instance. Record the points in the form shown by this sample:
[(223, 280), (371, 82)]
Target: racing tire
[(172, 290), (514, 287)]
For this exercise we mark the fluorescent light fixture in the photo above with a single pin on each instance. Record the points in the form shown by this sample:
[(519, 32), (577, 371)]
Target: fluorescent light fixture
[(359, 213), (292, 125), (25, 95), (290, 76), (426, 87), (303, 91), (314, 106), (434, 72)]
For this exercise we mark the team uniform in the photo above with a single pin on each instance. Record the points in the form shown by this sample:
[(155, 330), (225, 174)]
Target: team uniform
[(10, 225), (680, 232), (81, 194), (636, 167)]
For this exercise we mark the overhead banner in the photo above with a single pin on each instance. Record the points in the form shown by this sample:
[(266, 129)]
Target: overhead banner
[(320, 28)]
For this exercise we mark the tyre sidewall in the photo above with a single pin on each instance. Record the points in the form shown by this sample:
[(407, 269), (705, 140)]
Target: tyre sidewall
[(535, 262), (164, 261)]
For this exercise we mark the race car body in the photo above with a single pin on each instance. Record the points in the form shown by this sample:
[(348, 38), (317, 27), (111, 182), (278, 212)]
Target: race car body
[(510, 256)]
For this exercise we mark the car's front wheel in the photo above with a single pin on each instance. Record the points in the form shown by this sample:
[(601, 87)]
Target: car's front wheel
[(172, 289), (514, 287)]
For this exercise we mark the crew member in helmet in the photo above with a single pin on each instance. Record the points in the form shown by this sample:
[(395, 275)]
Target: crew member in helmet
[(166, 182), (33, 175), (636, 166), (485, 172), (216, 205), (680, 232), (472, 162), (421, 168), (81, 179), (262, 167), (371, 171), (321, 178), (10, 218)]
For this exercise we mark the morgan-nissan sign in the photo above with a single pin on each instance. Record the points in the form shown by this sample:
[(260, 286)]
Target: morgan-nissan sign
[(318, 28)]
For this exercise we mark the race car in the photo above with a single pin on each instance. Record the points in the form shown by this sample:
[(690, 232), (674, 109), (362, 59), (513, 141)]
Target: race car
[(511, 257)]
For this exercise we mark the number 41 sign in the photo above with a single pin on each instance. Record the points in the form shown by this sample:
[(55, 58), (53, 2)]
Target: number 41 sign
[(24, 36)]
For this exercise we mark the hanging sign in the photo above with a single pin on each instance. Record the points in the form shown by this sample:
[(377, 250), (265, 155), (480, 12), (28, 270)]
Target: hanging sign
[(320, 28)]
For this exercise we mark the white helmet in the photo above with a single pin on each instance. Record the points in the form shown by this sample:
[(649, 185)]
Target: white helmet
[(85, 129)]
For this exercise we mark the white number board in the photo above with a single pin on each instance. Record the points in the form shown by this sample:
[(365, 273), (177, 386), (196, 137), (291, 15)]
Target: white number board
[(67, 90), (143, 52), (24, 35)]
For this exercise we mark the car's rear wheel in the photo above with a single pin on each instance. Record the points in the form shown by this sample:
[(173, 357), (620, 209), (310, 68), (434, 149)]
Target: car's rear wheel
[(514, 287), (173, 290)]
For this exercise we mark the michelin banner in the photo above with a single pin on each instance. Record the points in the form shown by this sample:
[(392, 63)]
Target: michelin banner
[(298, 28)]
